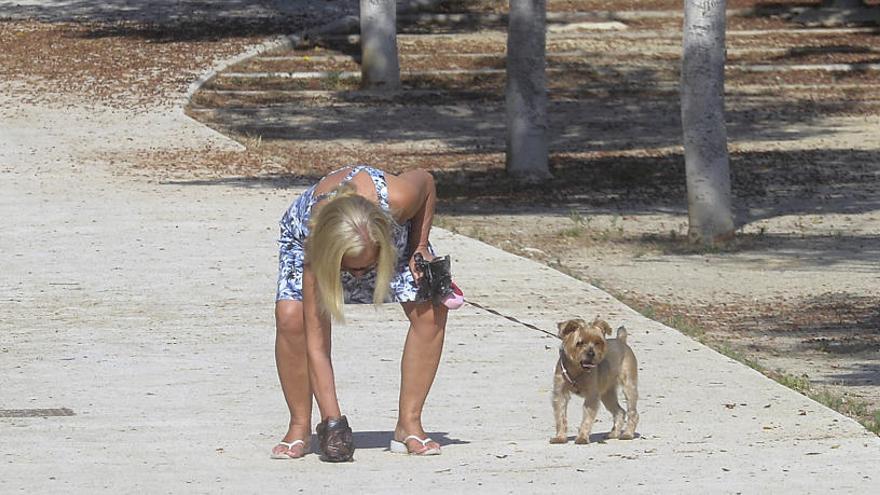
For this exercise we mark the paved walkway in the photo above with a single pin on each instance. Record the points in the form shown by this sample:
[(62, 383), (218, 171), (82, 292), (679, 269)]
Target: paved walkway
[(145, 310)]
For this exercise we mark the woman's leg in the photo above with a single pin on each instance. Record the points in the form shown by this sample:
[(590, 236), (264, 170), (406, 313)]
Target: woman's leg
[(293, 372), (421, 356)]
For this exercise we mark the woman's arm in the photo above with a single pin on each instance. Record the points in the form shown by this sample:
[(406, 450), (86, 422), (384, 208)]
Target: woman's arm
[(414, 196), (318, 328)]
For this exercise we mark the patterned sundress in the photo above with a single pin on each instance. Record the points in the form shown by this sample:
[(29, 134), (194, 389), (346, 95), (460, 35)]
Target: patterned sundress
[(356, 290)]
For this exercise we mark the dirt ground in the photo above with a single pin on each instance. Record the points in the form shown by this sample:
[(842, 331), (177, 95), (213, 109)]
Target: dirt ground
[(796, 294)]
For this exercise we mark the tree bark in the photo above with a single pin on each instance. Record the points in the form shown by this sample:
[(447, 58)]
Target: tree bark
[(526, 91), (710, 216), (380, 68)]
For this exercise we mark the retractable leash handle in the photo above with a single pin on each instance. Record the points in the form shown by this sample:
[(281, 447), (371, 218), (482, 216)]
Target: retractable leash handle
[(441, 278), (436, 282), (424, 282)]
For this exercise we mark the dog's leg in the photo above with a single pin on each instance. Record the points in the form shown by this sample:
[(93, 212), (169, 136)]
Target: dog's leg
[(591, 407), (631, 392), (560, 412), (609, 398)]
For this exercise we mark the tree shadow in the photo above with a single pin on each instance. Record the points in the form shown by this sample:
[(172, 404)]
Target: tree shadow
[(141, 10), (867, 374), (765, 184), (836, 323), (806, 51), (640, 119), (197, 30), (822, 16), (265, 181), (791, 252), (167, 21)]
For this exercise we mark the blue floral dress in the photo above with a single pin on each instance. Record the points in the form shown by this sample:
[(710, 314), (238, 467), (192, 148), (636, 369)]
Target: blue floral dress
[(358, 290)]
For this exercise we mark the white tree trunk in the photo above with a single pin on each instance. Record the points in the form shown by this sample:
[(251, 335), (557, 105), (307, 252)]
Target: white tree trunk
[(526, 92), (702, 113), (380, 69)]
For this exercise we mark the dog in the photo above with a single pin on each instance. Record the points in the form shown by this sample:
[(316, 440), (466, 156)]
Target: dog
[(592, 367)]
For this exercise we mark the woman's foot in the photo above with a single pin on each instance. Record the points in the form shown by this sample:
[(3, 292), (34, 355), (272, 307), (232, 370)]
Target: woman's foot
[(416, 443), (295, 443), (290, 450)]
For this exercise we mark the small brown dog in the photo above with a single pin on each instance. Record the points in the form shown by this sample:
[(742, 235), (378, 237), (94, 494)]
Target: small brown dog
[(592, 367)]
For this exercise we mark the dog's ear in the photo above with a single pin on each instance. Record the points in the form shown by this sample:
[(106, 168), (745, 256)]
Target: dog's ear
[(603, 325), (566, 327)]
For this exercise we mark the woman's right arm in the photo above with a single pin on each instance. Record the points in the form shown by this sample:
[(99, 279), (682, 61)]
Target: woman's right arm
[(317, 325)]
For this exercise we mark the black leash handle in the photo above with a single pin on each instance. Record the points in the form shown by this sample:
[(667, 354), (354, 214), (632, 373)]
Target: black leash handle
[(511, 318)]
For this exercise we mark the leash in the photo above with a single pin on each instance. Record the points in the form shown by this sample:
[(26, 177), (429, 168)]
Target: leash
[(511, 318), (565, 373)]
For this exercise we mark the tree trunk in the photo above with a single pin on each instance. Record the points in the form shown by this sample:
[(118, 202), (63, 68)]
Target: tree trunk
[(526, 91), (380, 69), (702, 113)]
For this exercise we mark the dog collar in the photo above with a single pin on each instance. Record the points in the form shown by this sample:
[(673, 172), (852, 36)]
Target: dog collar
[(565, 370)]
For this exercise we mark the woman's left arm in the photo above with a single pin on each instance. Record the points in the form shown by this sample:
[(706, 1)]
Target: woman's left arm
[(413, 196)]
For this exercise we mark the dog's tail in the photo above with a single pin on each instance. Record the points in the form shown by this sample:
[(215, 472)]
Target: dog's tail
[(621, 333)]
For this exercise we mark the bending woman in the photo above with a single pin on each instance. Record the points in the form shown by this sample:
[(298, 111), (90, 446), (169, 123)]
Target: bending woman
[(351, 238)]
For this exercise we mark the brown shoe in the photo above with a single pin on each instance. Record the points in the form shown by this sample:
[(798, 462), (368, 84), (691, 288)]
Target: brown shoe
[(335, 440)]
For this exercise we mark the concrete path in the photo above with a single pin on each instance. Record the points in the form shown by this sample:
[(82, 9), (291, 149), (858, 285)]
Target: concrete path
[(136, 352)]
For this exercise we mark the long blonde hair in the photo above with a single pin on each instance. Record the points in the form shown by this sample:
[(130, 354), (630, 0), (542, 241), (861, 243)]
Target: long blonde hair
[(346, 225)]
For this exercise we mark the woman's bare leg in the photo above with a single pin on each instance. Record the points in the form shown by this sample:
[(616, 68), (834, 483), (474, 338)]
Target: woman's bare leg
[(293, 371), (421, 357)]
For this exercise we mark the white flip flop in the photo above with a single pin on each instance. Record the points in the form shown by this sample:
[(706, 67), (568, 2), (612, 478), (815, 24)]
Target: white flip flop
[(401, 448), (289, 445)]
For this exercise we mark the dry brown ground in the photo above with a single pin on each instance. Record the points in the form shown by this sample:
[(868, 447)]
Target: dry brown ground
[(121, 59)]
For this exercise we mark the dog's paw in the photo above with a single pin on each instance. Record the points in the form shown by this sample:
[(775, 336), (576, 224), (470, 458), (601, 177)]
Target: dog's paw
[(559, 440), (582, 440), (627, 435), (614, 434)]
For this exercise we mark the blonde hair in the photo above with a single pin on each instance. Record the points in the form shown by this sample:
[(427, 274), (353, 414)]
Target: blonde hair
[(346, 225)]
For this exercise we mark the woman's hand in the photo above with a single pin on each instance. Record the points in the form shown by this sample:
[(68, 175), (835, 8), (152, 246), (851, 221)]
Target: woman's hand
[(423, 250)]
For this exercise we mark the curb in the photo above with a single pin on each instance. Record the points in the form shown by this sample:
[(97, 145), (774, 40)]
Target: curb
[(343, 25), (210, 73), (278, 42)]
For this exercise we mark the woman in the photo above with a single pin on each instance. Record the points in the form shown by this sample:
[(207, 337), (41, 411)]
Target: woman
[(351, 238)]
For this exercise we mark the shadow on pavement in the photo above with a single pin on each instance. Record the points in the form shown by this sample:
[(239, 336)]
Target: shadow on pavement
[(381, 439), (261, 182)]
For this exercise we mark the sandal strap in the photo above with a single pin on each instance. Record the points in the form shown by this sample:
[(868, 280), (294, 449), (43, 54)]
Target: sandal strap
[(424, 441), (290, 445)]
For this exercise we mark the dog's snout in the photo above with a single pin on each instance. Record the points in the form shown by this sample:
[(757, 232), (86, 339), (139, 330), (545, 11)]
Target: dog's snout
[(591, 353)]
